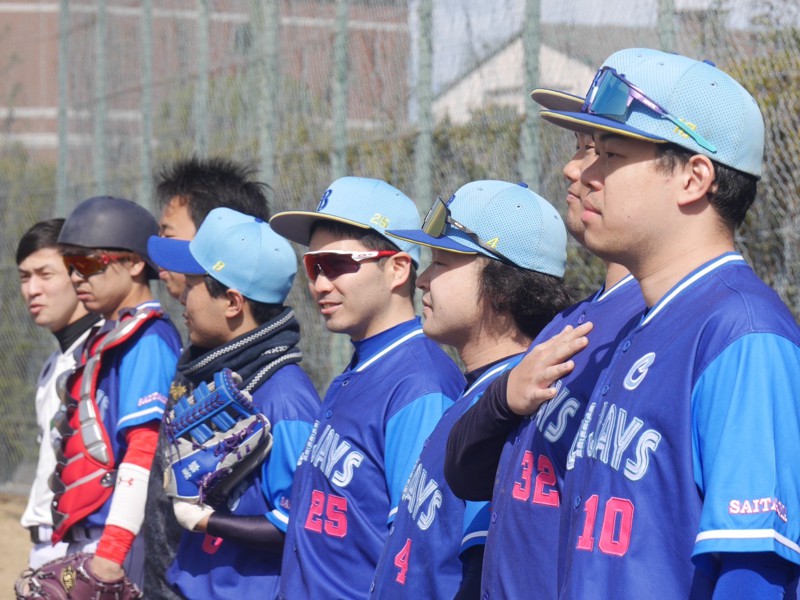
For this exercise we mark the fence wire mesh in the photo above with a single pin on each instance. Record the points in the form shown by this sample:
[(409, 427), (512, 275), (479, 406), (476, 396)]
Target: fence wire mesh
[(427, 94)]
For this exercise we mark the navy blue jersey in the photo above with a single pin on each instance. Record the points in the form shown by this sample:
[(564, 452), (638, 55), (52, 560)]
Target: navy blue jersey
[(689, 444), (523, 536), (433, 526), (210, 567), (349, 480), (133, 385)]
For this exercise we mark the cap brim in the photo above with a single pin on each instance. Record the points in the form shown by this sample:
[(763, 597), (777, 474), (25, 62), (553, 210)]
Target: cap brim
[(417, 236), (557, 100), (173, 255), (588, 124), (296, 225)]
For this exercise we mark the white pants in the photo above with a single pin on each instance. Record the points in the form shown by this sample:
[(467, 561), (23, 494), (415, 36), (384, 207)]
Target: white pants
[(45, 552)]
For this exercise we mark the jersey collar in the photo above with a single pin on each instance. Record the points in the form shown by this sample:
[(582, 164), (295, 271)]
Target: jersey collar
[(371, 349), (692, 278)]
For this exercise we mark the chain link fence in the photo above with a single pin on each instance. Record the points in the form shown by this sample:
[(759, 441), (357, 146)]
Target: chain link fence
[(426, 94)]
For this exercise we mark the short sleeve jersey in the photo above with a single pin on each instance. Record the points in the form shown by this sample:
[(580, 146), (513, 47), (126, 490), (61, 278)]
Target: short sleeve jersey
[(210, 567), (527, 493), (433, 526), (349, 480), (688, 446), (133, 385)]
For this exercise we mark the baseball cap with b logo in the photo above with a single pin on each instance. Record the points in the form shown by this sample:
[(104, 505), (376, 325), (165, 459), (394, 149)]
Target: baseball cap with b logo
[(660, 97), (503, 221), (238, 250), (357, 201)]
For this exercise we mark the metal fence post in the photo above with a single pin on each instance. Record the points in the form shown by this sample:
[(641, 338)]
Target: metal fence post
[(423, 149), (100, 109), (340, 82), (146, 167), (202, 87), (529, 136), (62, 181)]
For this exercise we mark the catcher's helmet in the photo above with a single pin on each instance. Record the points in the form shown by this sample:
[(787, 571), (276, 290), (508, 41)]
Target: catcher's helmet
[(111, 224)]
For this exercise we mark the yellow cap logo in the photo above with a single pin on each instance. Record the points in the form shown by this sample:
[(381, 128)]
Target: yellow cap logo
[(219, 266), (492, 243)]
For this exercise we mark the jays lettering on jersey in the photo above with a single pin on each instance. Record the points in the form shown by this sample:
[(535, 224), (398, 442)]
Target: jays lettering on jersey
[(433, 526), (689, 444), (210, 567), (520, 551), (369, 432), (133, 385)]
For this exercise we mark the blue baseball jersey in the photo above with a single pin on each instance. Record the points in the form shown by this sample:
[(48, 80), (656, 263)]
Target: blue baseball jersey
[(210, 567), (133, 385), (433, 526), (689, 444), (521, 548), (349, 480)]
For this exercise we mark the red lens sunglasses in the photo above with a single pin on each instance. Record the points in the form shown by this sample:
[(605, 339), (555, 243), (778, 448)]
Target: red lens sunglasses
[(87, 265), (332, 263)]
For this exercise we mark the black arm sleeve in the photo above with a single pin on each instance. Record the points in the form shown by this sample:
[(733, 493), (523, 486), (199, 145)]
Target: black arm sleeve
[(255, 531), (476, 442), (472, 565)]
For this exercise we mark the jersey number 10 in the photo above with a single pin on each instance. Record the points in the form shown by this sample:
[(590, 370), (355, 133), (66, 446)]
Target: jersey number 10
[(615, 534)]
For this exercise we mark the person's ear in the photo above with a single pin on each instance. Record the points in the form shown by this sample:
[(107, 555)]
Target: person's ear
[(398, 269), (236, 303), (697, 180)]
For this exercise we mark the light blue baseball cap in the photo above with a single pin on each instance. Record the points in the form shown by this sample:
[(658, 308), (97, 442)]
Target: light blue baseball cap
[(707, 111), (519, 224), (238, 250), (357, 201)]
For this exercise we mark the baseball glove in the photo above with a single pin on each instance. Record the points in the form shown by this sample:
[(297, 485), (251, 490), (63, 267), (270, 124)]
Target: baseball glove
[(216, 437), (70, 578)]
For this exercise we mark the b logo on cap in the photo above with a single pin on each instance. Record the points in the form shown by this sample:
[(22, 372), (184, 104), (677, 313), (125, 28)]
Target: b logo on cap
[(323, 202), (218, 266)]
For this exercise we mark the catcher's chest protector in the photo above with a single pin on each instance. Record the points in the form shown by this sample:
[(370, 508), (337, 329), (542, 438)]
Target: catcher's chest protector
[(84, 476)]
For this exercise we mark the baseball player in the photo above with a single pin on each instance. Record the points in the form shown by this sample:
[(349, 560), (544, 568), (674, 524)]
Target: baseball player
[(48, 293), (681, 481), (499, 252), (238, 273), (528, 477), (376, 415), (187, 191), (117, 396)]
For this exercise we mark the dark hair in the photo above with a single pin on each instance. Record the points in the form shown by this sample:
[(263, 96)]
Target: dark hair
[(262, 312), (43, 234), (368, 238), (531, 298), (735, 191), (205, 184)]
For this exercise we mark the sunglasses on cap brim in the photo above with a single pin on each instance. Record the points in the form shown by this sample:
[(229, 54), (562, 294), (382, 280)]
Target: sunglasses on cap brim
[(439, 217), (611, 96), (333, 263), (87, 265)]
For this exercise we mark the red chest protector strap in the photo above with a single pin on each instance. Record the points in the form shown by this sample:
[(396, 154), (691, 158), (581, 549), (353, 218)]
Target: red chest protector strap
[(85, 470)]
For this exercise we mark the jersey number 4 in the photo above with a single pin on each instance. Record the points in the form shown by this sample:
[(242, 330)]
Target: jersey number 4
[(615, 532), (329, 516), (401, 562)]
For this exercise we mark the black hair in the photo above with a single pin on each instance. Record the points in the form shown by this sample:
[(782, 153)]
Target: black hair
[(262, 312), (531, 298), (368, 238), (41, 235), (209, 183), (735, 191)]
